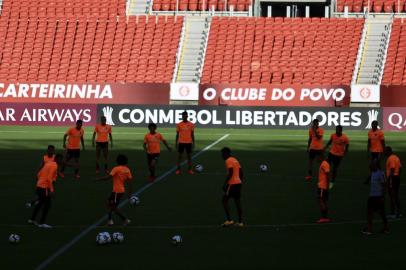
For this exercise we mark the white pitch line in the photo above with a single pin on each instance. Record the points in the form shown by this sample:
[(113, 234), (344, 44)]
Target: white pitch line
[(104, 218)]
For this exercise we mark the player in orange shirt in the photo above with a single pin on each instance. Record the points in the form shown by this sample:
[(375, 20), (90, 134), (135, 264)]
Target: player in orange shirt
[(75, 138), (44, 187), (322, 189), (152, 146), (314, 146), (340, 144), (393, 171), (185, 141), (120, 175), (103, 132), (376, 141), (232, 187)]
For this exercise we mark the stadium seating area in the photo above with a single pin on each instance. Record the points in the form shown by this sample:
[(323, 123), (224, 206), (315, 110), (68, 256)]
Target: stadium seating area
[(268, 50), (387, 6), (395, 65), (201, 5), (81, 49), (63, 8)]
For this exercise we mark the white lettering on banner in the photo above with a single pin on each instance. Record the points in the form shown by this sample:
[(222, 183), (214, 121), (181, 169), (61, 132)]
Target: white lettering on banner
[(316, 94), (209, 94), (397, 120), (55, 91), (8, 115), (55, 115), (243, 94)]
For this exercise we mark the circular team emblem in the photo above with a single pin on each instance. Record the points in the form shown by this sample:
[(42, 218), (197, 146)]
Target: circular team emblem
[(184, 91), (365, 93)]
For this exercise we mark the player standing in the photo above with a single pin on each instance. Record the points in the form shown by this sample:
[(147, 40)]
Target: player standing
[(232, 187), (103, 132), (185, 141), (393, 171), (45, 179), (376, 141), (152, 146), (314, 146), (119, 174), (340, 144), (75, 138), (322, 189), (376, 200)]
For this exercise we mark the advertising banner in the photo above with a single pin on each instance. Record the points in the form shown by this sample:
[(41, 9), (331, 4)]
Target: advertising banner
[(393, 96), (47, 114), (273, 95), (240, 117), (394, 118), (365, 93), (115, 93), (184, 91)]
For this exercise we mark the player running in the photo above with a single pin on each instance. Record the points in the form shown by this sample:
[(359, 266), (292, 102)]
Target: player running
[(322, 189), (119, 174), (185, 141), (152, 146), (340, 144), (103, 132), (376, 200), (393, 171), (44, 188), (314, 146), (376, 141), (232, 187), (75, 138)]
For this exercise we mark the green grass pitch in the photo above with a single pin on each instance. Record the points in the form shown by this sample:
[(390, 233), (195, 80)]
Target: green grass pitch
[(280, 207)]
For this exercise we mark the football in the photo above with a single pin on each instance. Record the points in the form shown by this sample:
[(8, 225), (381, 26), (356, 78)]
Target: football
[(118, 237), (176, 239), (103, 238), (14, 238), (134, 200), (263, 168), (199, 168)]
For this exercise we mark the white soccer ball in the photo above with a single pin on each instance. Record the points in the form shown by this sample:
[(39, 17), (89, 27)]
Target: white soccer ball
[(14, 238), (199, 168), (134, 200), (103, 238), (176, 239), (263, 168), (118, 237)]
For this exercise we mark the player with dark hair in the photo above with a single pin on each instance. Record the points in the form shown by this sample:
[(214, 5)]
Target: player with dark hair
[(104, 135), (232, 187), (120, 175), (376, 141), (44, 188), (152, 146), (376, 199), (185, 141), (323, 187), (314, 146), (75, 138), (393, 171), (340, 144)]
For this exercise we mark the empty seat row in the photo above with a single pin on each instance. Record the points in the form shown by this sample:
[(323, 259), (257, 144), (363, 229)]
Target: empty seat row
[(202, 5), (386, 6)]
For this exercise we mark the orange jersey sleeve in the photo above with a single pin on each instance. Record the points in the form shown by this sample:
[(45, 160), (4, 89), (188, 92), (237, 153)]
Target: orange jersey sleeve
[(153, 142), (185, 130), (375, 138), (74, 137), (324, 170), (102, 132), (338, 144), (316, 144), (232, 163), (120, 175), (393, 162)]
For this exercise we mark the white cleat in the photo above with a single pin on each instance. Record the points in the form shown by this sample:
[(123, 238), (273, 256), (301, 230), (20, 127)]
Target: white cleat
[(110, 222), (45, 226), (33, 222)]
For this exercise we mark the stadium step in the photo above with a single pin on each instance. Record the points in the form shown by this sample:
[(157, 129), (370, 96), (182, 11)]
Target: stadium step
[(138, 7), (373, 49), (192, 48)]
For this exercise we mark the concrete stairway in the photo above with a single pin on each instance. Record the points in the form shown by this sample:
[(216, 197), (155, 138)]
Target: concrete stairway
[(372, 56), (138, 7), (192, 49)]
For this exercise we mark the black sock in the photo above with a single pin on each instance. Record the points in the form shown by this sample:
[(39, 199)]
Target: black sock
[(110, 215)]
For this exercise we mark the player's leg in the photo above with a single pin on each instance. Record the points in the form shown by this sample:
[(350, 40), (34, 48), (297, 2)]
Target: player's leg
[(311, 158), (41, 199), (98, 150), (396, 187), (189, 158), (323, 197), (181, 149), (68, 158), (106, 158), (77, 163), (381, 211), (45, 209), (226, 208), (392, 198), (370, 215)]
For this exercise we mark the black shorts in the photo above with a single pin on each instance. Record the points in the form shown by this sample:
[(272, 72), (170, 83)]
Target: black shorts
[(43, 193), (72, 153), (182, 147), (322, 194), (376, 203), (102, 145), (115, 198), (335, 160), (394, 183), (376, 155), (151, 157), (315, 153), (232, 191)]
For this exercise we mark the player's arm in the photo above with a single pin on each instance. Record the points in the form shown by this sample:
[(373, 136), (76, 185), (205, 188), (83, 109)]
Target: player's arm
[(145, 146), (177, 139), (166, 145), (383, 143), (64, 140), (308, 143), (368, 145), (241, 174), (130, 187), (328, 144), (111, 139), (94, 139), (347, 147), (193, 139), (104, 178), (229, 175), (82, 142)]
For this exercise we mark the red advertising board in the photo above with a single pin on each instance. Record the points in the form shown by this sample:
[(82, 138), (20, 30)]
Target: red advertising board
[(114, 93), (47, 114), (394, 118), (393, 96), (274, 95)]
